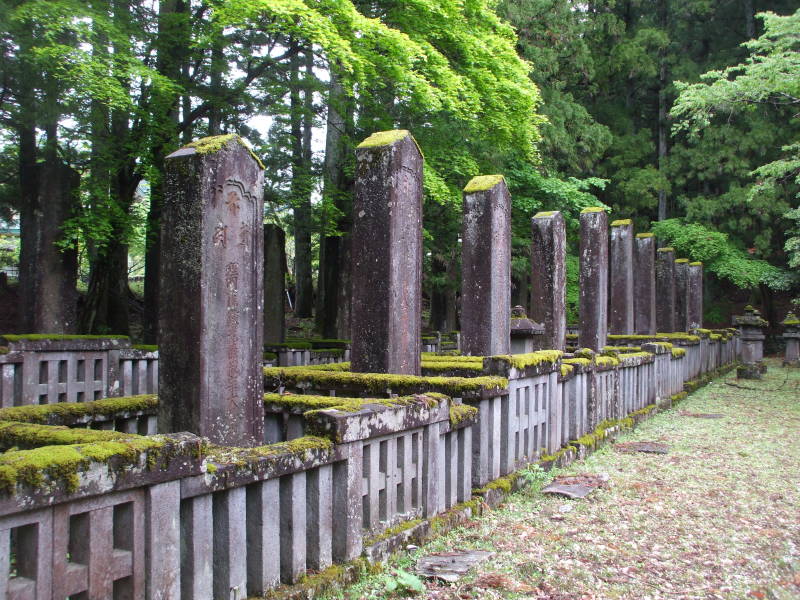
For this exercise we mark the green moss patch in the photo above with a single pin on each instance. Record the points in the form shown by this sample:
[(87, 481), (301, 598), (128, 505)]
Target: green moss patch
[(621, 223), (145, 347), (379, 383), (593, 209), (30, 337), (462, 412), (530, 359), (69, 412), (667, 249), (681, 260), (61, 464), (307, 403), (31, 435), (544, 214), (215, 143), (481, 183), (642, 236)]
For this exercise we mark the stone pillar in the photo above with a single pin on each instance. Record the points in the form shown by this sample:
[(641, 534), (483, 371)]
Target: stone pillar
[(644, 284), (665, 290), (681, 294), (593, 278), (751, 336), (274, 284), (486, 267), (210, 336), (620, 308), (791, 334), (694, 296), (387, 255), (549, 279)]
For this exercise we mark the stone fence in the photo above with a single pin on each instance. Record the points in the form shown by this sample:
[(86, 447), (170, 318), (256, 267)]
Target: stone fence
[(353, 462), (42, 369)]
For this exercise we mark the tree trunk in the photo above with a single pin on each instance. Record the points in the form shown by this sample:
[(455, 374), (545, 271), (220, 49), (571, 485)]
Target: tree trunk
[(171, 44), (301, 192), (334, 228), (663, 126)]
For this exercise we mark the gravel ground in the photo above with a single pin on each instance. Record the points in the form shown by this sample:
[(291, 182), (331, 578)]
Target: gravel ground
[(716, 517)]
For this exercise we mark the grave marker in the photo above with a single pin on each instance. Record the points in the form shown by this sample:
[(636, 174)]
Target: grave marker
[(621, 291), (681, 294), (486, 267), (665, 290), (694, 300), (210, 335), (644, 284), (387, 255), (593, 278), (549, 279)]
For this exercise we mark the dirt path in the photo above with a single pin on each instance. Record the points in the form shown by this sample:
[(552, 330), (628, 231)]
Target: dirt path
[(717, 517)]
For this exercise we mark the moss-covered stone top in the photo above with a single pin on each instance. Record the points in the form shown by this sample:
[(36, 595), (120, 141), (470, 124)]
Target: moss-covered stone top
[(29, 337), (642, 236), (681, 260), (544, 214), (215, 143), (678, 352), (69, 412), (243, 458), (585, 362), (791, 319), (606, 361), (530, 359), (61, 464), (666, 249), (385, 138), (481, 183), (677, 336), (379, 383), (460, 413), (303, 403), (145, 347), (19, 435), (696, 263), (621, 223), (593, 209)]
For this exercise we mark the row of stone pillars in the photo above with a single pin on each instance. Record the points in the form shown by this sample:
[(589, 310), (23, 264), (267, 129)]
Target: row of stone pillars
[(212, 286)]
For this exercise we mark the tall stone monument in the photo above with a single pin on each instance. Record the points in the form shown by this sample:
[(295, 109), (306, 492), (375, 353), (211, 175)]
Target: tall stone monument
[(593, 278), (694, 295), (665, 290), (682, 294), (644, 284), (274, 284), (549, 279), (486, 267), (387, 255), (211, 331), (620, 308)]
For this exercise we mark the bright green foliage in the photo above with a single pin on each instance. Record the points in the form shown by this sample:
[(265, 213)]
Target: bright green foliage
[(717, 253)]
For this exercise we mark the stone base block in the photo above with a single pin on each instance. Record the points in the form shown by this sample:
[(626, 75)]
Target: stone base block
[(754, 371)]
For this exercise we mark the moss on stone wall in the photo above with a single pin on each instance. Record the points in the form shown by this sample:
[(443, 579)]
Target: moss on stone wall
[(20, 435), (530, 359), (462, 412), (381, 382), (52, 414)]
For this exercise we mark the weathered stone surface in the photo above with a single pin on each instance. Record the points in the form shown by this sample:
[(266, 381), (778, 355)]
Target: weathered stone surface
[(694, 300), (486, 270), (451, 566), (593, 279), (681, 294), (387, 255), (620, 308), (665, 290), (210, 340), (792, 336), (751, 338), (644, 284), (549, 279), (274, 284)]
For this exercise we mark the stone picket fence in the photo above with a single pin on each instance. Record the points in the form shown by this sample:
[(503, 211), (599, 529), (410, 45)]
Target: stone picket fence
[(353, 463)]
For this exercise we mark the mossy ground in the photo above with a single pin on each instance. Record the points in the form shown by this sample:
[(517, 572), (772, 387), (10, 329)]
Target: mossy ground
[(715, 518)]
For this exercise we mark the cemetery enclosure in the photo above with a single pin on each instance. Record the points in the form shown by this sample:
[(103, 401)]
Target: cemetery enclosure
[(258, 488)]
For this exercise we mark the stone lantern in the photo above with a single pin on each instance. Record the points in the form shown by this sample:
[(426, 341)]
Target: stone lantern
[(751, 335), (791, 333), (526, 335)]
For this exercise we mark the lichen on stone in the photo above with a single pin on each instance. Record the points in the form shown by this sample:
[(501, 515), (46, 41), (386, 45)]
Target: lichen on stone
[(481, 183), (215, 143)]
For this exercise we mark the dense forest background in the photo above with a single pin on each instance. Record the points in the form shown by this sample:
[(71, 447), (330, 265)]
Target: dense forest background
[(683, 115)]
